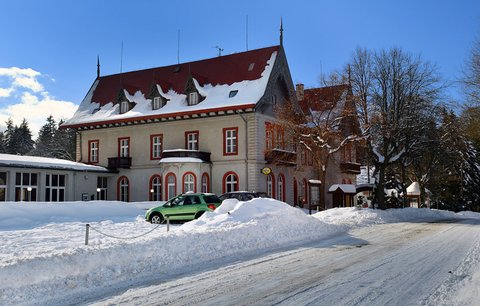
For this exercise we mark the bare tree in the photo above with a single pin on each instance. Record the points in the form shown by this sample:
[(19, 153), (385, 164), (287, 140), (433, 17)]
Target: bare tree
[(471, 78), (394, 91), (321, 128)]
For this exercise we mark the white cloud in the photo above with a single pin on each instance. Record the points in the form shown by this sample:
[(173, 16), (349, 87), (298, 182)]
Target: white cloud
[(27, 99)]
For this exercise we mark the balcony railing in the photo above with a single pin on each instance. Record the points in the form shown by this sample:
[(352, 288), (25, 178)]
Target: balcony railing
[(279, 156), (350, 167), (204, 156), (119, 162)]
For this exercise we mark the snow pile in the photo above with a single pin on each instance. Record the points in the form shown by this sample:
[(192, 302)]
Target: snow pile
[(353, 217), (49, 263)]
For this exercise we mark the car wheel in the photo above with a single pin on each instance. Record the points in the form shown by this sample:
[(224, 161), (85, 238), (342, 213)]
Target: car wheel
[(199, 214), (156, 219)]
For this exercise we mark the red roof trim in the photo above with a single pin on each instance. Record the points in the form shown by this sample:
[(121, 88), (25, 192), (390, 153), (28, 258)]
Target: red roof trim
[(159, 116)]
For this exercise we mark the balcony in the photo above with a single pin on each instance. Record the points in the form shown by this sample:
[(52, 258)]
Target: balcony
[(119, 162), (350, 167), (179, 153), (279, 156)]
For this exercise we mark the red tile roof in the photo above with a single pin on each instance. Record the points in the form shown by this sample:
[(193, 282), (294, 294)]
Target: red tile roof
[(323, 98), (226, 69)]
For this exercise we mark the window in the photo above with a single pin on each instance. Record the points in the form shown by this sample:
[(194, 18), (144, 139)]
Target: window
[(189, 182), (93, 151), (279, 138), (124, 147), (268, 136), (274, 100), (232, 93), (157, 103), (193, 98), (281, 188), (3, 186), (124, 107), (270, 186), (171, 189), (250, 67), (156, 142), (156, 188), (26, 187), (303, 191), (230, 182), (102, 183), (123, 189), (191, 140), (230, 141), (205, 183), (54, 187)]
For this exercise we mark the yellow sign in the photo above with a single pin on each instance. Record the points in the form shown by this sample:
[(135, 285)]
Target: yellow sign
[(266, 170)]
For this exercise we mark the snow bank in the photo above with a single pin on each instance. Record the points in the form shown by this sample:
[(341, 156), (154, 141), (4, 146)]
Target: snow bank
[(43, 259)]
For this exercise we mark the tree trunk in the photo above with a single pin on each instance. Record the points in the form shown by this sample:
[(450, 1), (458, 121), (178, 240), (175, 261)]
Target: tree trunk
[(380, 190)]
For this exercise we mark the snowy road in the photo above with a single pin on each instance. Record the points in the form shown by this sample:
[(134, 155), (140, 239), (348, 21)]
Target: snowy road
[(389, 264)]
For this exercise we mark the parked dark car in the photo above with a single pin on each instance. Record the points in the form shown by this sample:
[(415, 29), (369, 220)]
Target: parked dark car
[(243, 195)]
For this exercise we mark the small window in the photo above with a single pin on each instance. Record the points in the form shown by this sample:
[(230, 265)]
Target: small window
[(232, 93), (250, 68), (193, 98), (124, 107), (157, 103)]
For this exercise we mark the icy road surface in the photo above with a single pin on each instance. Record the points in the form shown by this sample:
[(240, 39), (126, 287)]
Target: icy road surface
[(389, 264)]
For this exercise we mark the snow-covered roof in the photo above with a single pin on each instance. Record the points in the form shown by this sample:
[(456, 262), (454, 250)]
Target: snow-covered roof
[(231, 82), (167, 160), (317, 182), (10, 160), (414, 189), (346, 188)]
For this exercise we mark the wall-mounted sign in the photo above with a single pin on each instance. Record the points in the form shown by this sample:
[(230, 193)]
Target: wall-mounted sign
[(266, 170)]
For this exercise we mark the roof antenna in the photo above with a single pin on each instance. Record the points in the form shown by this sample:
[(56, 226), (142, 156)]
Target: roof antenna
[(98, 66), (219, 50), (281, 31), (121, 58), (246, 33), (178, 47)]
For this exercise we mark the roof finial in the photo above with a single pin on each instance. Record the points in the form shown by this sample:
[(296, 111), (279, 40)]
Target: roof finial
[(281, 31), (98, 66)]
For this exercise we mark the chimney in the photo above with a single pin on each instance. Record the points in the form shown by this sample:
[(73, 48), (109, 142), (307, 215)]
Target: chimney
[(299, 91)]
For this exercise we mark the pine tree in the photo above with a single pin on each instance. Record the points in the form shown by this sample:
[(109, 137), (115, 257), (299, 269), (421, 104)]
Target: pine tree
[(2, 149), (64, 143), (8, 134), (44, 145), (22, 139)]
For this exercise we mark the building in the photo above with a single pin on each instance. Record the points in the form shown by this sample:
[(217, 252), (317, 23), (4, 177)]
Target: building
[(333, 110), (30, 179), (197, 126)]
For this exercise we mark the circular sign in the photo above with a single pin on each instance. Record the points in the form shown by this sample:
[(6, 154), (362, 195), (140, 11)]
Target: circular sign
[(266, 170)]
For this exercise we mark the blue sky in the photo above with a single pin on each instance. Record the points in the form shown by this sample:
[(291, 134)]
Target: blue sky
[(55, 43)]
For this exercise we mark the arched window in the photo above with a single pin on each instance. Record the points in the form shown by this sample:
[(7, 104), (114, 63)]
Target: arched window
[(304, 191), (123, 189), (205, 182), (189, 182), (271, 186), (295, 193), (171, 187), (230, 182), (281, 188), (156, 188)]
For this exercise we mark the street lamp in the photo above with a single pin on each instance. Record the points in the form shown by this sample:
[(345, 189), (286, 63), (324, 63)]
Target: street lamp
[(98, 194), (29, 189), (151, 194)]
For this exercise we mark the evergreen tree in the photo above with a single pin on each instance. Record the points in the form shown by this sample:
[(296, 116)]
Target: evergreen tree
[(64, 143), (471, 178), (8, 134), (22, 139), (44, 145), (2, 149)]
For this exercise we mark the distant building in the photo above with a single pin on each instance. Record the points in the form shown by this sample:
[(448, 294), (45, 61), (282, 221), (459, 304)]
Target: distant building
[(31, 179)]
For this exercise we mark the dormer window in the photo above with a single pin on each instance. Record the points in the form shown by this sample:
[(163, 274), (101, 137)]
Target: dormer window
[(193, 98), (157, 103), (250, 67), (124, 107), (232, 93)]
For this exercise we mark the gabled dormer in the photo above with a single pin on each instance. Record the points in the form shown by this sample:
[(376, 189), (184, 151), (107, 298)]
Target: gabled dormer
[(124, 104), (191, 91), (157, 100)]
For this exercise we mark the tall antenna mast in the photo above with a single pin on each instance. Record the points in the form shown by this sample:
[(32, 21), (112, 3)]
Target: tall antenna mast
[(246, 33), (121, 58), (219, 50), (178, 47), (98, 66)]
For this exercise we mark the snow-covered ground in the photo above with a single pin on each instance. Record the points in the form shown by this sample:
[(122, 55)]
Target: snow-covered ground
[(44, 259)]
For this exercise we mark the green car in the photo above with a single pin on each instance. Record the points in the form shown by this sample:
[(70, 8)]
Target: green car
[(184, 207)]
